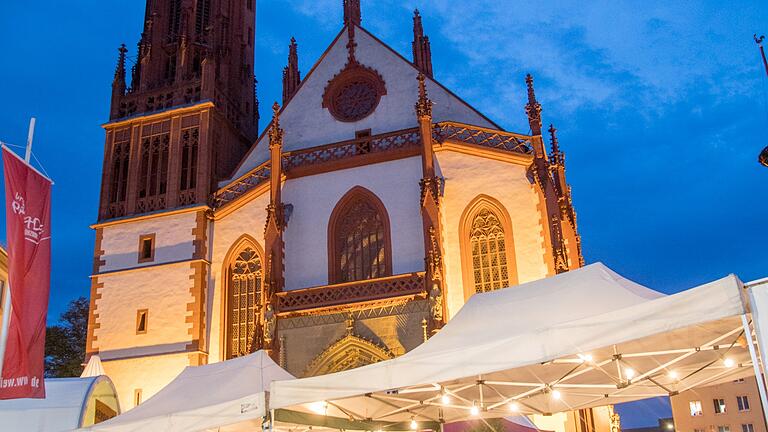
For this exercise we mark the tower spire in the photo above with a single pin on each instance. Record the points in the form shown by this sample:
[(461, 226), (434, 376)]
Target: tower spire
[(422, 50), (119, 80), (352, 13), (533, 108), (291, 73), (557, 156)]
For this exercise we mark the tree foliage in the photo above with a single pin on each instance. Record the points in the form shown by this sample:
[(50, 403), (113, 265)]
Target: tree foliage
[(65, 341)]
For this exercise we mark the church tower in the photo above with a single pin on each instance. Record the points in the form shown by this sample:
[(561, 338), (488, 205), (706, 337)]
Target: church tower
[(190, 112)]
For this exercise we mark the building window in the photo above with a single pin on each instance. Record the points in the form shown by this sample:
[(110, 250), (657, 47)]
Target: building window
[(748, 427), (190, 139), (141, 321), (243, 300), (359, 238), (743, 403), (719, 406), (137, 397), (121, 150), (146, 248), (695, 408), (487, 248), (738, 381), (489, 252), (724, 428), (153, 166), (698, 430)]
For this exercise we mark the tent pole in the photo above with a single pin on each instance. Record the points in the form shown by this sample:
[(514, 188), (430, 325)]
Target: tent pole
[(756, 366)]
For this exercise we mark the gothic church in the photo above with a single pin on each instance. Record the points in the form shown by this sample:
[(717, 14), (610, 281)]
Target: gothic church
[(372, 206)]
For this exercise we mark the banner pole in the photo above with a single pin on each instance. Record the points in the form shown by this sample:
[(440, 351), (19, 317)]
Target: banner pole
[(30, 136), (6, 322)]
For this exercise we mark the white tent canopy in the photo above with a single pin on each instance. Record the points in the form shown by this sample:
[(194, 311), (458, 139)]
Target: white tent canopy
[(70, 403), (581, 339), (227, 396)]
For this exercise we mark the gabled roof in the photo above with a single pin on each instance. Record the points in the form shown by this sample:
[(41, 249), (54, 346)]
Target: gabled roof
[(308, 124)]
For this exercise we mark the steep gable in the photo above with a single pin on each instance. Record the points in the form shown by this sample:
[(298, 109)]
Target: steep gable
[(307, 123)]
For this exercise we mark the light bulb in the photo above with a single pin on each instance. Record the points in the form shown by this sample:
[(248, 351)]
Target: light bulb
[(556, 394), (630, 373), (586, 358), (514, 407), (414, 425), (318, 407), (474, 410), (729, 363), (445, 399), (673, 375)]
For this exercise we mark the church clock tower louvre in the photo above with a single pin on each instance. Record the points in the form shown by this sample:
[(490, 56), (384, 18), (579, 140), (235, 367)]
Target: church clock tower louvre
[(190, 111)]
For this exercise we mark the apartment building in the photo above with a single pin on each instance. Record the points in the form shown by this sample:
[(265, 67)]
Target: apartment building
[(729, 407)]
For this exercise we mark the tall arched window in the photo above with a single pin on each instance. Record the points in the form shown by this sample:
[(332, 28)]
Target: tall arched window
[(359, 238), (243, 298), (487, 247)]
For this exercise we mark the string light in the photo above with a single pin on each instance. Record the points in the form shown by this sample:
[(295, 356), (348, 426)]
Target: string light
[(729, 363), (318, 407), (414, 425), (630, 373), (514, 407)]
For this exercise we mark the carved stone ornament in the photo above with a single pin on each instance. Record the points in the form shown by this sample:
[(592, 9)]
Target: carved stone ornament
[(354, 93), (436, 303), (270, 324)]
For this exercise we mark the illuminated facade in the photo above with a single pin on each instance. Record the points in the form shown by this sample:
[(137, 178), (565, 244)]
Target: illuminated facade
[(372, 206)]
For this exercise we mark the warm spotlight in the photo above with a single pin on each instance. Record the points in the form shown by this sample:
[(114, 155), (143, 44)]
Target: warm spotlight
[(556, 394), (445, 399), (514, 407), (729, 363), (474, 410)]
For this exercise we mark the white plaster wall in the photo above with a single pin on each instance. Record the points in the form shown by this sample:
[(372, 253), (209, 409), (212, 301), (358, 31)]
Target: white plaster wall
[(396, 183), (173, 241), (308, 124), (150, 374), (249, 219), (164, 291), (467, 177)]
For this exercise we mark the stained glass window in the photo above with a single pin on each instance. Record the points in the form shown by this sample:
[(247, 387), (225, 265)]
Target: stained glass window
[(489, 252), (243, 303), (360, 236)]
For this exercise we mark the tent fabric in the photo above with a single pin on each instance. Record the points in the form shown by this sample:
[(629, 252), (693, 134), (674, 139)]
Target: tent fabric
[(576, 333), (63, 408), (94, 368), (203, 397)]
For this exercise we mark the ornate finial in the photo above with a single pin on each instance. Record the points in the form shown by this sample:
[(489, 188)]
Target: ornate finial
[(352, 13), (759, 40), (422, 50), (424, 105), (763, 158), (533, 108), (120, 69), (553, 139), (275, 133), (291, 73), (557, 156)]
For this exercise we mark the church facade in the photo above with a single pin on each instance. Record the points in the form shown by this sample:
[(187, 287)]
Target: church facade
[(372, 206)]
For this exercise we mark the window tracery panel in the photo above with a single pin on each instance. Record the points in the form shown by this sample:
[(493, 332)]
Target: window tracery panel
[(489, 252), (243, 301), (359, 233)]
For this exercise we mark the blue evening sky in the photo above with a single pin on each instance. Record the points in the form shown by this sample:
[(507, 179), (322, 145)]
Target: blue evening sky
[(662, 108)]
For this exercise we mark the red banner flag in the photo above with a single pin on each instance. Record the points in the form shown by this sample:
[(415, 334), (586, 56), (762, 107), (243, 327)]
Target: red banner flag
[(28, 232)]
